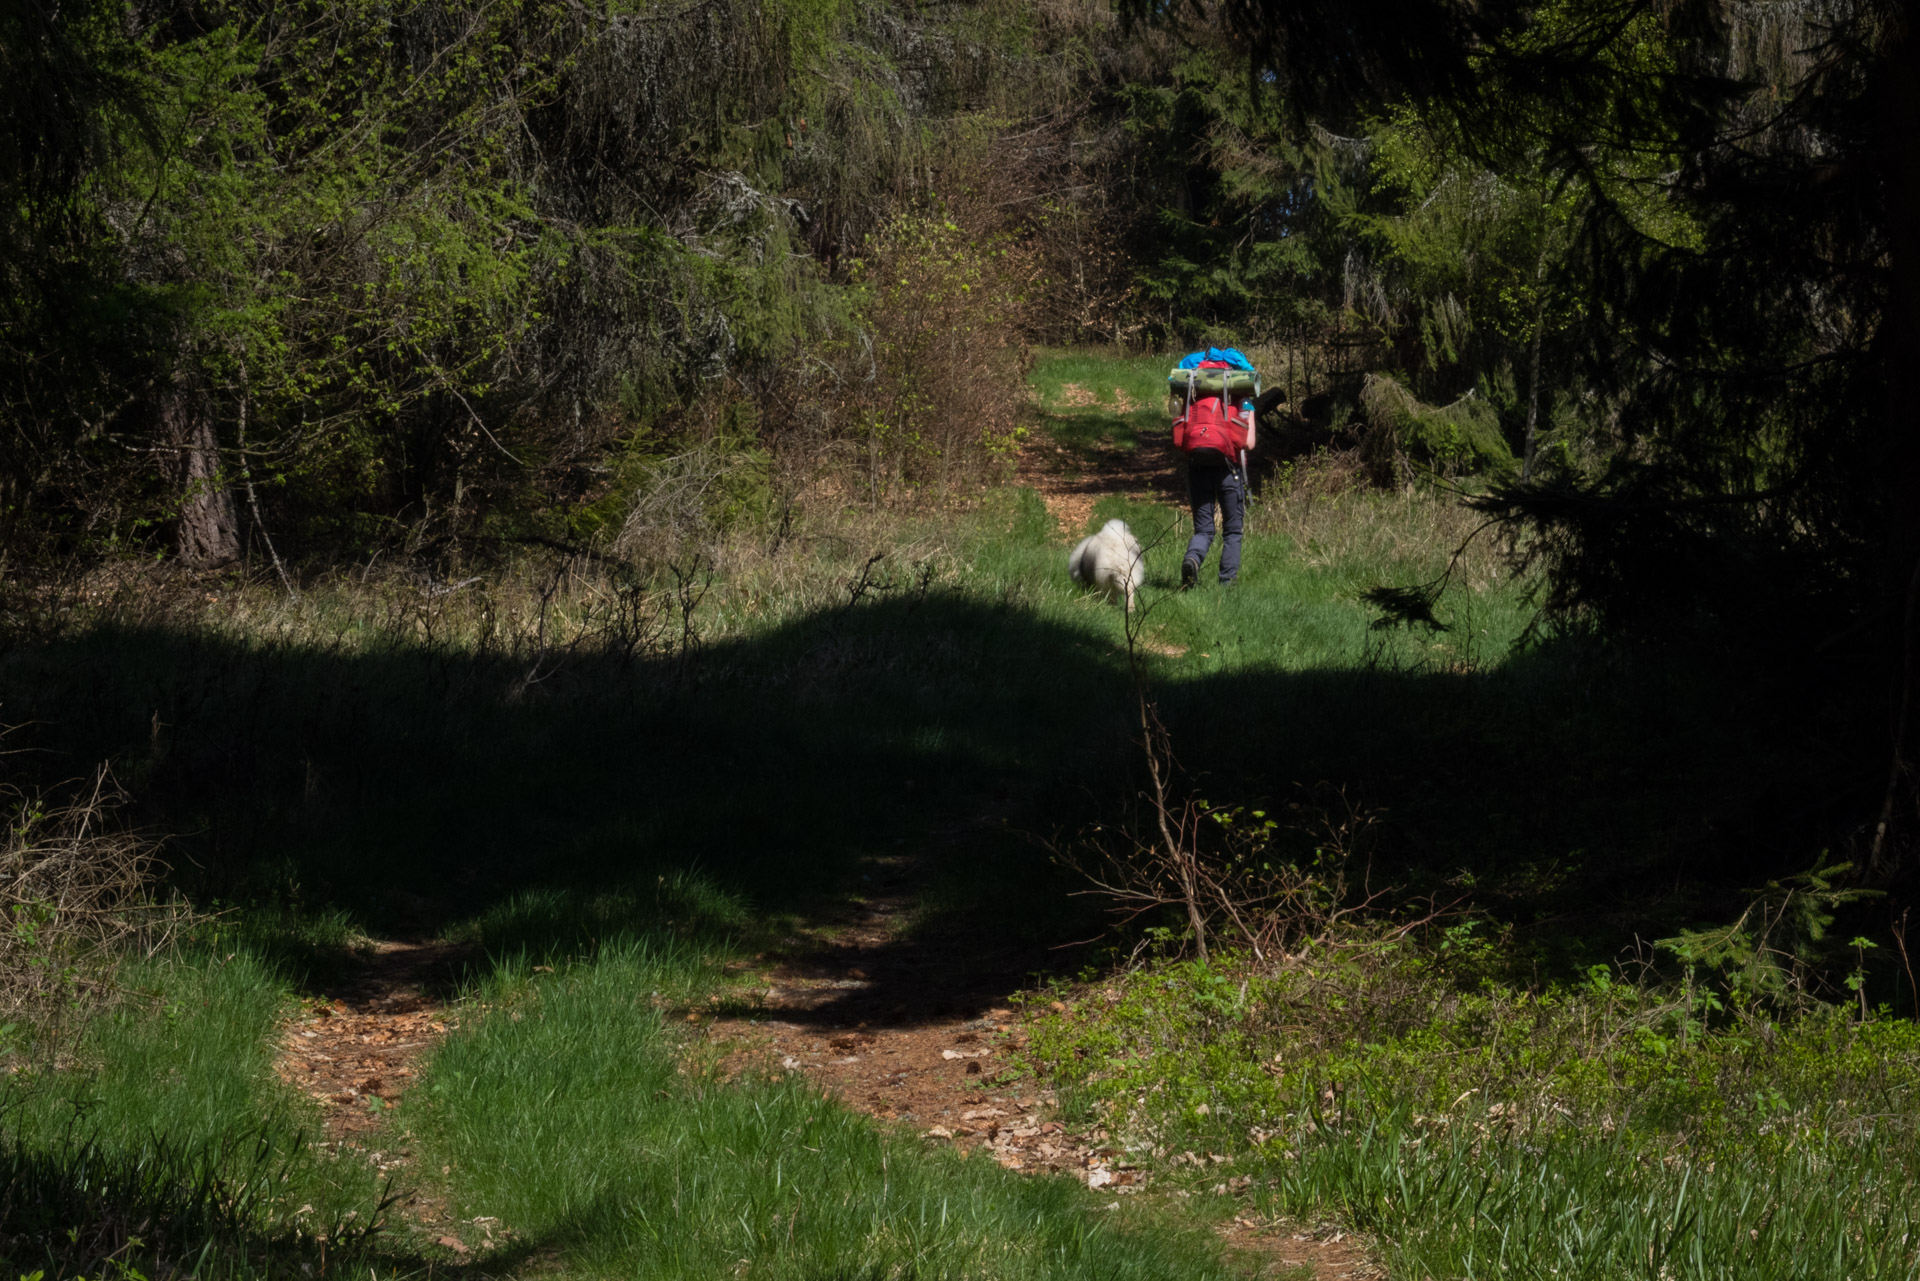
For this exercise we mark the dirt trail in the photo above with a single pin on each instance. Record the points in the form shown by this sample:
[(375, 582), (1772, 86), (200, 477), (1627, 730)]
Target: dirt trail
[(356, 1048), (921, 1033), (916, 1032), (1070, 482)]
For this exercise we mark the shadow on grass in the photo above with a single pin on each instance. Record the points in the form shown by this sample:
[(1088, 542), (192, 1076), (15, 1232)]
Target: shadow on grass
[(78, 1208), (1585, 793)]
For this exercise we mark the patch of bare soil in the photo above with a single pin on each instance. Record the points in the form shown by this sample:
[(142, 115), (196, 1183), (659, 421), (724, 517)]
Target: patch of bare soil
[(356, 1049), (1282, 1249), (916, 1033), (1070, 482), (921, 1033)]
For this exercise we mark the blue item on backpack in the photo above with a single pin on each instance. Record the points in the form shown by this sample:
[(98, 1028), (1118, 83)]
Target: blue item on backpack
[(1229, 356)]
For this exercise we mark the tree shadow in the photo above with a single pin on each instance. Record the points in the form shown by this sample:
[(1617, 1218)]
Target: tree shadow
[(78, 1208), (1583, 792)]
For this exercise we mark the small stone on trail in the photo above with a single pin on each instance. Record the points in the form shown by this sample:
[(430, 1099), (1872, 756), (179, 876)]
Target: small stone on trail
[(939, 1132)]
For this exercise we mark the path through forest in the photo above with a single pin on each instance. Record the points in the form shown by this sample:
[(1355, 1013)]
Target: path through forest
[(919, 1030), (948, 1066), (1071, 481)]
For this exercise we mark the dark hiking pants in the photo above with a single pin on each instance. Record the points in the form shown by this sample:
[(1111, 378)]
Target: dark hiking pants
[(1207, 486)]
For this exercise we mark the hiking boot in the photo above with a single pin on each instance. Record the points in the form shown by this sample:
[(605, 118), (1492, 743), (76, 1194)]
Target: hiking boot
[(1189, 573)]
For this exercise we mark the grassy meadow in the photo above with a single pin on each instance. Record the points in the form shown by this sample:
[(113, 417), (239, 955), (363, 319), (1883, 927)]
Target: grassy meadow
[(632, 782)]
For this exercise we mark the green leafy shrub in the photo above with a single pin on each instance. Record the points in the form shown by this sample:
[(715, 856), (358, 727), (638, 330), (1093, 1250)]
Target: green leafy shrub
[(1462, 437)]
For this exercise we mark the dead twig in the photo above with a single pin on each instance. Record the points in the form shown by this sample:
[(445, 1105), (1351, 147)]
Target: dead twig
[(77, 894)]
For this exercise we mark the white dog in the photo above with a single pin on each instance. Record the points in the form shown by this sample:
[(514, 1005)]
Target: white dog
[(1110, 560)]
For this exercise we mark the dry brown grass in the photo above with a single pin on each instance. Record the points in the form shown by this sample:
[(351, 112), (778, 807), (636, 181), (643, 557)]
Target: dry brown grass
[(1329, 508), (544, 612), (77, 891), (936, 403)]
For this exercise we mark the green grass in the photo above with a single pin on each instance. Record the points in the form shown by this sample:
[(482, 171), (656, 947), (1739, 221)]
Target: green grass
[(565, 1113), (1598, 1208), (1594, 1131), (1099, 373), (1090, 401), (1292, 611), (166, 1139), (551, 924)]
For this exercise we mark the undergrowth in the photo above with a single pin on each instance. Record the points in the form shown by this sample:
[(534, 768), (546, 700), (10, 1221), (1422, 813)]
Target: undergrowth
[(1600, 1128)]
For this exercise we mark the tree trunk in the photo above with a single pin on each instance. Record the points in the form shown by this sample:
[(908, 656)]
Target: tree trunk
[(209, 528), (1531, 446)]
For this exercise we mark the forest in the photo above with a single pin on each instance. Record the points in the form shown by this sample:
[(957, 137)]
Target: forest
[(545, 730)]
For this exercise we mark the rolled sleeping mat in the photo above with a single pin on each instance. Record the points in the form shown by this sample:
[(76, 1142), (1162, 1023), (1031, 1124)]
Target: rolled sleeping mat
[(1235, 384)]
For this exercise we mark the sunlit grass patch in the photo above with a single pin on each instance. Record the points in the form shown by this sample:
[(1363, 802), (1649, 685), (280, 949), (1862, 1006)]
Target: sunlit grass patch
[(1068, 379), (1090, 401), (1594, 1131), (1298, 604)]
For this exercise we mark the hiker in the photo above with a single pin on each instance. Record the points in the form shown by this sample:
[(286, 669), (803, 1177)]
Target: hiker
[(1215, 434)]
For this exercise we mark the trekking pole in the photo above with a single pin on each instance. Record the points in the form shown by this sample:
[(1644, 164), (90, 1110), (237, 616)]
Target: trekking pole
[(1246, 481), (1246, 496)]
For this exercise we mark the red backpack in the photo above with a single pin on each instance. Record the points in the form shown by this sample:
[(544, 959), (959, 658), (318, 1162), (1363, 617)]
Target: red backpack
[(1211, 430)]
